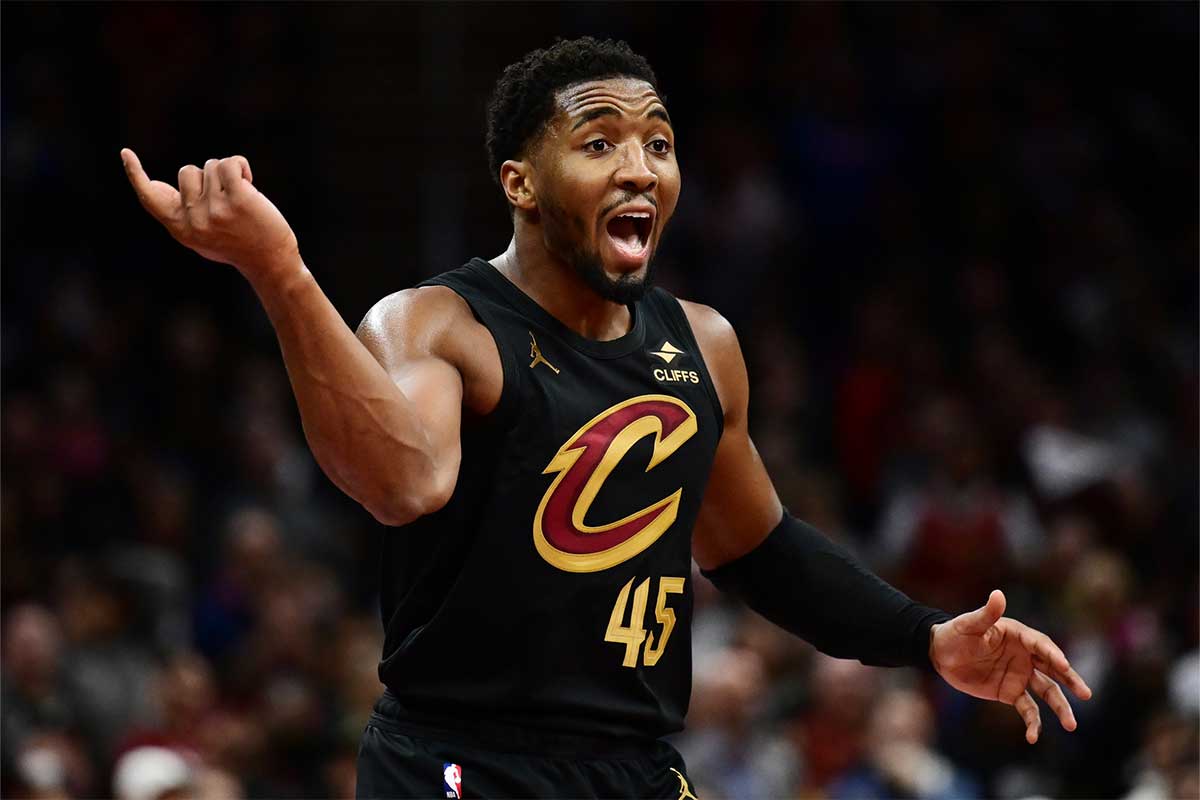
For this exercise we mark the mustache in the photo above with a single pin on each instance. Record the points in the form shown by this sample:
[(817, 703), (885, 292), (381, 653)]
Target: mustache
[(628, 197)]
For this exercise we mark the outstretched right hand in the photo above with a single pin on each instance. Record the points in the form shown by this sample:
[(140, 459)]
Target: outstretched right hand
[(218, 213)]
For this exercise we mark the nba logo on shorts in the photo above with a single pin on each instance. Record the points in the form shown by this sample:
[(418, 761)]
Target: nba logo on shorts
[(452, 780)]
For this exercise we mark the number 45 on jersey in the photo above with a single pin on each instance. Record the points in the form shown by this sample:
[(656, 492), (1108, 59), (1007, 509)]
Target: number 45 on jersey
[(634, 634)]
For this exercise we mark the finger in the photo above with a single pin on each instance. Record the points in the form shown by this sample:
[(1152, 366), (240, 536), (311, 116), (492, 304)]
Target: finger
[(978, 621), (1028, 709), (1068, 677), (191, 184), (234, 173), (1053, 695), (212, 180), (158, 198), (1041, 645), (1043, 648)]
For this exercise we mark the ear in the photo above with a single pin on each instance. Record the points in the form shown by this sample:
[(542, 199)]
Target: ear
[(516, 178)]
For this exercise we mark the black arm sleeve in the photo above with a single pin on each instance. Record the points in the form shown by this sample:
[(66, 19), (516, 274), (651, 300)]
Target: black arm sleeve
[(812, 587)]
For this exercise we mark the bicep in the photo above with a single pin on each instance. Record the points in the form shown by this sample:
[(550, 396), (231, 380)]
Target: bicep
[(740, 506), (406, 334), (435, 388)]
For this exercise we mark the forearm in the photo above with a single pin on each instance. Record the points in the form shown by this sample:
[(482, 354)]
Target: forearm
[(814, 588), (363, 430)]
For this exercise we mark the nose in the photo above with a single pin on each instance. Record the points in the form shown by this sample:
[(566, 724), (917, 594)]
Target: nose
[(634, 173)]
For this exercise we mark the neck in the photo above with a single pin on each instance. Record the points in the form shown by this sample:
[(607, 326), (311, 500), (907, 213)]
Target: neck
[(555, 286)]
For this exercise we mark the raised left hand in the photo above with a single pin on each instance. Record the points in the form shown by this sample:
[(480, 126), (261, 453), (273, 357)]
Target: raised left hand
[(987, 655)]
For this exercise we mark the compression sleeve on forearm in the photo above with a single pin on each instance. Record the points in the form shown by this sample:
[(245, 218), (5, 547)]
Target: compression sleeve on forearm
[(813, 587)]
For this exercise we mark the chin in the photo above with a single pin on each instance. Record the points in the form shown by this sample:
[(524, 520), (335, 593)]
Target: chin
[(625, 287), (622, 286)]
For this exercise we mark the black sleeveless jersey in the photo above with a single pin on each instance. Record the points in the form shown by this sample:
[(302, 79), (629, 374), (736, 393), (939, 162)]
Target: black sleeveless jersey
[(553, 592)]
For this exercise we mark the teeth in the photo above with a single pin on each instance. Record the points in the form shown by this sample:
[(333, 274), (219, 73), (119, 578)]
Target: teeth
[(635, 215)]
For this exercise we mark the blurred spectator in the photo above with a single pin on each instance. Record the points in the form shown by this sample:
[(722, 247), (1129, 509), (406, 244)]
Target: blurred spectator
[(831, 733), (41, 711), (109, 668), (1166, 765), (899, 760), (953, 535), (185, 698), (253, 557), (726, 748)]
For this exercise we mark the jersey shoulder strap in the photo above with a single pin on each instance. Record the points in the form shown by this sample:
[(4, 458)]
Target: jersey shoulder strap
[(668, 311)]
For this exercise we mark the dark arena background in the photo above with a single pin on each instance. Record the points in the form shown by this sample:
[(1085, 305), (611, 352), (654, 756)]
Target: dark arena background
[(958, 243)]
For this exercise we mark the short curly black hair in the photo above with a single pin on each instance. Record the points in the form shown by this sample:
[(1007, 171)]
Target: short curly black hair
[(523, 100)]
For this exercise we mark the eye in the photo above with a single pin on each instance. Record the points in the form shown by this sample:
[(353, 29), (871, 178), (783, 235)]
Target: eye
[(597, 146), (661, 146)]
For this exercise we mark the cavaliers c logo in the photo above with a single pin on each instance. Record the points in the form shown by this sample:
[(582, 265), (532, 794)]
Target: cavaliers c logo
[(583, 464)]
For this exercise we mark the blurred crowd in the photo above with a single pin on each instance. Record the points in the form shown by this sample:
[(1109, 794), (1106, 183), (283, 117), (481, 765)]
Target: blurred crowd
[(959, 246)]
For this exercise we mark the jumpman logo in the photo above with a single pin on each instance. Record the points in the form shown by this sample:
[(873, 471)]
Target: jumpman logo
[(536, 354), (684, 791)]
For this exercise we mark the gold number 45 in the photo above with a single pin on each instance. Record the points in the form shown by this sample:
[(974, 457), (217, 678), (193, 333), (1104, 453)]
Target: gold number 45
[(633, 634)]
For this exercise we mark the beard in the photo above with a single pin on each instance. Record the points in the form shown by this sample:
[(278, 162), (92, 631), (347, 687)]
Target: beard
[(625, 290), (587, 264)]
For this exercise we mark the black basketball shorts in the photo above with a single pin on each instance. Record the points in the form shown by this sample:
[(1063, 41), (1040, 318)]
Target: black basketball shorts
[(397, 759)]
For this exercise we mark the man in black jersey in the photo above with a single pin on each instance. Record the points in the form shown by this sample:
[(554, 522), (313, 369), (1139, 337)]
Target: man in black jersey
[(558, 441)]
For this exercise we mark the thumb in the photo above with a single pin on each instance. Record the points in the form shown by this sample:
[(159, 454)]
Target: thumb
[(158, 198), (978, 621), (133, 169)]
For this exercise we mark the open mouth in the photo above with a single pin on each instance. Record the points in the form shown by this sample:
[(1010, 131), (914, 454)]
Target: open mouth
[(630, 231)]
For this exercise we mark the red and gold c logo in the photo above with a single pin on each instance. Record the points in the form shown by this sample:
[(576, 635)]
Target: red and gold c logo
[(583, 464)]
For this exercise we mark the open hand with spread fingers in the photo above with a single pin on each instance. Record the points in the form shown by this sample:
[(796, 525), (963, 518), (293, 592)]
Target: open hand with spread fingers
[(990, 656), (217, 212)]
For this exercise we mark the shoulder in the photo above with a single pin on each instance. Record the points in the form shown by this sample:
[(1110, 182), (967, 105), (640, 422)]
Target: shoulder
[(711, 329), (435, 322), (425, 311), (722, 354)]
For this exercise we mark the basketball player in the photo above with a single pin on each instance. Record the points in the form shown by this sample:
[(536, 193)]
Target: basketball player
[(556, 440)]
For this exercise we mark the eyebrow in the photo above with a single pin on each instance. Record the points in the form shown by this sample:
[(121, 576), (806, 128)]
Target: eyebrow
[(660, 113), (609, 111)]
